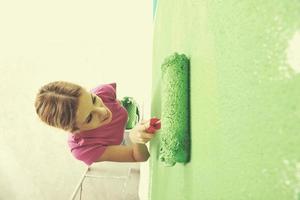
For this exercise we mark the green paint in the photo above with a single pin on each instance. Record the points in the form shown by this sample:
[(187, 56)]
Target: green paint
[(245, 102), (175, 132)]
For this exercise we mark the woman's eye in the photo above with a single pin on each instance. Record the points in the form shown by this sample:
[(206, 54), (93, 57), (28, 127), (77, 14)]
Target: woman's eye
[(90, 118)]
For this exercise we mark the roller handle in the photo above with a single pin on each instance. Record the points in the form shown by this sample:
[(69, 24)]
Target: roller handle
[(154, 125)]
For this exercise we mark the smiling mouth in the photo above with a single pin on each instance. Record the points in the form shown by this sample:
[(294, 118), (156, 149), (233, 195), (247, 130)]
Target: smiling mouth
[(107, 117)]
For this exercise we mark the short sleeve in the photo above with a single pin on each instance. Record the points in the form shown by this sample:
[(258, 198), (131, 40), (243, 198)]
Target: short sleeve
[(107, 92), (88, 154), (114, 85)]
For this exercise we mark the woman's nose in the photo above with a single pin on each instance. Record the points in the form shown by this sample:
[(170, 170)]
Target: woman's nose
[(101, 111)]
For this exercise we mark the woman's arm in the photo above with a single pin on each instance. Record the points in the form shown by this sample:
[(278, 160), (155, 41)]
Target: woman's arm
[(121, 153), (138, 152)]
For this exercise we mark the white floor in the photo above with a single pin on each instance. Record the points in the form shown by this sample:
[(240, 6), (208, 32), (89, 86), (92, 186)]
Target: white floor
[(110, 181)]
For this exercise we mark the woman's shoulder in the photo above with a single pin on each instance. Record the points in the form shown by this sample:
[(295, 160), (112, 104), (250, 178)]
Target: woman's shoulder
[(106, 91)]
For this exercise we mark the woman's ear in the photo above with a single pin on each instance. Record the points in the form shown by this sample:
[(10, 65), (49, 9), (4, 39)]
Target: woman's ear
[(75, 132)]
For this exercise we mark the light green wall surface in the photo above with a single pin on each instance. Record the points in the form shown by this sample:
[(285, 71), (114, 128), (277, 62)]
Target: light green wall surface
[(245, 99)]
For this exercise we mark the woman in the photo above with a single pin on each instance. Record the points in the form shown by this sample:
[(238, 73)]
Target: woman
[(95, 121)]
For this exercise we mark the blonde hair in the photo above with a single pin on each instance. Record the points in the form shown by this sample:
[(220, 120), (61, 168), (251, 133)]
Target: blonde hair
[(56, 104)]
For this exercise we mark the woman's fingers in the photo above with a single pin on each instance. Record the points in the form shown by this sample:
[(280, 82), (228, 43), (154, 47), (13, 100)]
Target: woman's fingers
[(143, 140), (139, 134), (144, 126), (144, 137), (147, 135)]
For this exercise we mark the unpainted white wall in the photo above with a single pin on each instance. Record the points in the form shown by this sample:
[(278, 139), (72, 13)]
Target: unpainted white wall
[(86, 42)]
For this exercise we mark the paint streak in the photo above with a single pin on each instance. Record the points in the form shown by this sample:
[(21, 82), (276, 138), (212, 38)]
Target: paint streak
[(291, 177), (293, 52)]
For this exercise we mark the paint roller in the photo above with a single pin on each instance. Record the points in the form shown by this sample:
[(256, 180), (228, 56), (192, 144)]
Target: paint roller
[(175, 110)]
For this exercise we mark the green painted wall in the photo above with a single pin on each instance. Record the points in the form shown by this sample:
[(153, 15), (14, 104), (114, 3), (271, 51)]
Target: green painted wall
[(245, 99)]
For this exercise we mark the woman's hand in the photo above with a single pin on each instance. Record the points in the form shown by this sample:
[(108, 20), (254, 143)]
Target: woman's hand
[(139, 135)]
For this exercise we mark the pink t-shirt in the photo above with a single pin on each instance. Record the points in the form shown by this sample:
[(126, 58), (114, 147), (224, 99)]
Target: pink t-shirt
[(89, 145)]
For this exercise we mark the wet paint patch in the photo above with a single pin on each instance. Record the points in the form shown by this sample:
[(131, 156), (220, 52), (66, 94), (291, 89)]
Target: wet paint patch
[(293, 53), (291, 177)]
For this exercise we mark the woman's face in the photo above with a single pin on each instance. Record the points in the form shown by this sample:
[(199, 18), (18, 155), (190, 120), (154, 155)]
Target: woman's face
[(92, 112)]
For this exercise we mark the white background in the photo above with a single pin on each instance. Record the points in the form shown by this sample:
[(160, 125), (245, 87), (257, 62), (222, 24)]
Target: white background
[(85, 42)]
